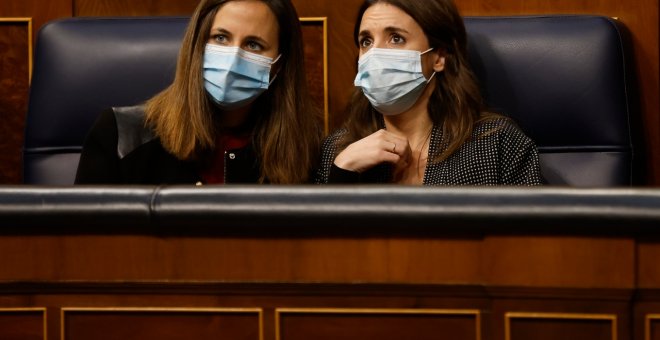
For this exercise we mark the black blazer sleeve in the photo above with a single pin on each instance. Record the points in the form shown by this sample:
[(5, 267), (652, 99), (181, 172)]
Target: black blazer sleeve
[(99, 162)]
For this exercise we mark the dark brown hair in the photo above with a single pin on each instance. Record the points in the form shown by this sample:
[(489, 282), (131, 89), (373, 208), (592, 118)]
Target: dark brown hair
[(285, 133), (456, 103)]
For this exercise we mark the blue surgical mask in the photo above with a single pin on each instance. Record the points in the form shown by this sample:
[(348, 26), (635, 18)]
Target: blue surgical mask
[(234, 77), (391, 79)]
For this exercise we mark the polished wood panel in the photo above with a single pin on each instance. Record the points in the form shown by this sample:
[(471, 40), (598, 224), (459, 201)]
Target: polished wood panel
[(545, 261), (40, 11), (342, 52), (272, 297), (646, 313), (302, 324), (15, 40), (602, 312), (186, 256), (22, 323), (542, 326), (15, 66), (132, 8), (648, 269), (160, 323), (314, 32), (324, 259), (652, 329)]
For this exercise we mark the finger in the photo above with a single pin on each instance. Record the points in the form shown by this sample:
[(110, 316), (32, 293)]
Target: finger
[(390, 146), (400, 146), (389, 157)]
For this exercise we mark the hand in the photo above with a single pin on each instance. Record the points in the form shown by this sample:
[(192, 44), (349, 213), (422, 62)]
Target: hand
[(381, 146)]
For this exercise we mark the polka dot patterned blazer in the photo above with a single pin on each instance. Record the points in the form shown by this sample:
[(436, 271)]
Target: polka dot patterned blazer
[(498, 153)]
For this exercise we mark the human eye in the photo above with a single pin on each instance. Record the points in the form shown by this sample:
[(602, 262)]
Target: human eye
[(365, 42), (397, 39), (254, 46), (221, 39)]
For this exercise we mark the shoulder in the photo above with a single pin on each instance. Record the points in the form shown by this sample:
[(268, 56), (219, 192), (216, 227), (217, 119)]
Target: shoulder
[(103, 133), (502, 130), (105, 123), (331, 142), (495, 124), (335, 136), (518, 155), (328, 153), (129, 114), (132, 131)]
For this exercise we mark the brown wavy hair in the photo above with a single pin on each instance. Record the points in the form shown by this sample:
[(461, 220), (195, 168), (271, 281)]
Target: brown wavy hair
[(286, 128), (456, 103)]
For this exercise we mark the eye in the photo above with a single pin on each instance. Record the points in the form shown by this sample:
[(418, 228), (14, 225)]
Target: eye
[(254, 46), (220, 39), (365, 42), (397, 39)]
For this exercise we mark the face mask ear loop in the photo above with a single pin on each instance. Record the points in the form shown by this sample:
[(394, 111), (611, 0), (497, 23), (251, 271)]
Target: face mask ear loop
[(278, 71), (430, 49), (433, 75), (276, 59), (272, 80)]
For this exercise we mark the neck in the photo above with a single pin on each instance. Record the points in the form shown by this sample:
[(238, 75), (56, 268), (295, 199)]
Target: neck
[(415, 123), (233, 119)]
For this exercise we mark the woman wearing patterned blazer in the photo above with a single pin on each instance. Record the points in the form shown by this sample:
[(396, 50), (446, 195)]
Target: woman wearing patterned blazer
[(417, 116)]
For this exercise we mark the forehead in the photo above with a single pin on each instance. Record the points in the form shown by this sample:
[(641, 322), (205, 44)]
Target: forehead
[(249, 17), (382, 15)]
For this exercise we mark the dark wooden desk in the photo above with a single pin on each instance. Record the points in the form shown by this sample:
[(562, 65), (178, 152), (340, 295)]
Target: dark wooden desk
[(329, 263)]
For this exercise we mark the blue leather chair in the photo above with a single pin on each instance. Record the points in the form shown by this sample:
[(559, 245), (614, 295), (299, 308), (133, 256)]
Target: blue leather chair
[(564, 79), (82, 66)]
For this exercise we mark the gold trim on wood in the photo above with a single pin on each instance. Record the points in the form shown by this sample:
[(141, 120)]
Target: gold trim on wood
[(565, 316), (28, 310), (324, 22), (29, 24), (258, 311), (409, 311), (647, 324)]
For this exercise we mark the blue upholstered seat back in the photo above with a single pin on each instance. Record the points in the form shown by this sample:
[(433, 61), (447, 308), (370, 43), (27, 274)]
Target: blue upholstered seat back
[(82, 66), (563, 79)]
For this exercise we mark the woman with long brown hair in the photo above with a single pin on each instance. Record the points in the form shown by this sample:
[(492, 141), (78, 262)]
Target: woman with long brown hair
[(236, 112), (417, 116)]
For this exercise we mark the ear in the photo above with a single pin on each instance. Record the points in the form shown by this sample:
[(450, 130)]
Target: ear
[(439, 64)]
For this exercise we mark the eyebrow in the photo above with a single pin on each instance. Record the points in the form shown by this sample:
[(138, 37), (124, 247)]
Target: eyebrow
[(258, 39), (249, 37), (388, 29), (220, 30), (392, 29), (363, 33)]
